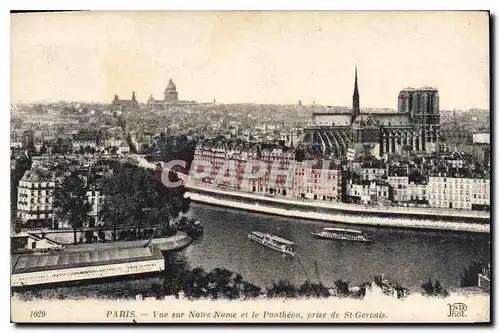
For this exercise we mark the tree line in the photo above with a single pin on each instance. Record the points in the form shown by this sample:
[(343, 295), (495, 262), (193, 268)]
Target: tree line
[(221, 283), (133, 196)]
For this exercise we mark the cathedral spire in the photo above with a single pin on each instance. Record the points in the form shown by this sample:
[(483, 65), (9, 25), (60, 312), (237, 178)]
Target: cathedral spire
[(356, 92), (355, 96)]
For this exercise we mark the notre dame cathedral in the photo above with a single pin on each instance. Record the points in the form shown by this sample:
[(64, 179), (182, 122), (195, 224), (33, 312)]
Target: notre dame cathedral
[(352, 133)]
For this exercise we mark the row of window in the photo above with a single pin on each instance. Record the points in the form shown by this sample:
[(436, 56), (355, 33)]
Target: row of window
[(446, 204), (93, 200), (27, 184), (396, 180), (461, 185), (31, 216), (25, 193), (381, 171), (456, 191), (35, 208), (366, 193), (37, 200), (312, 191), (299, 187), (223, 157), (457, 180), (460, 197)]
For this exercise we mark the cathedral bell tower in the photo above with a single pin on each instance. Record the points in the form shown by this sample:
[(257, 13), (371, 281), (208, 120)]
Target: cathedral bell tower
[(355, 97)]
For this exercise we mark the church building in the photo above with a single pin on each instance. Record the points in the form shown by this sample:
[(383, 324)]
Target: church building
[(356, 134), (170, 98), (124, 105)]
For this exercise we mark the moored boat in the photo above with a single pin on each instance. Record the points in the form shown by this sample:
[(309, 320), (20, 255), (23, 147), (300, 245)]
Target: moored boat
[(343, 234), (274, 242)]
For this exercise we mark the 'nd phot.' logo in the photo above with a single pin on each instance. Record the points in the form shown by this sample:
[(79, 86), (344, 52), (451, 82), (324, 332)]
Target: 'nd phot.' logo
[(457, 310)]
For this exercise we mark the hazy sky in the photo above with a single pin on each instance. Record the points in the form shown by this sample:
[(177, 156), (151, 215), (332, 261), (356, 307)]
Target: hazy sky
[(261, 57)]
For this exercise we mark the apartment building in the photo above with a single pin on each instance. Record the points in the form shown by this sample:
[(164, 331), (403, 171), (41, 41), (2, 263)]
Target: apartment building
[(35, 199), (470, 193)]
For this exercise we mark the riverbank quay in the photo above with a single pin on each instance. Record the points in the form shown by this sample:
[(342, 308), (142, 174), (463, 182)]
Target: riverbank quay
[(64, 236), (401, 217), (352, 208)]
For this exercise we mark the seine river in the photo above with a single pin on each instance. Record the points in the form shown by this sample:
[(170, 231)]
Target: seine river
[(406, 256)]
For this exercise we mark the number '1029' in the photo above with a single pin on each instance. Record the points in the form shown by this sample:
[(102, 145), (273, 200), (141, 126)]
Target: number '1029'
[(37, 314)]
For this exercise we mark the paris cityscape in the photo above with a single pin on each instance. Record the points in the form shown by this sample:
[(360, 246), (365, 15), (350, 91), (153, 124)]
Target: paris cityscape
[(348, 201)]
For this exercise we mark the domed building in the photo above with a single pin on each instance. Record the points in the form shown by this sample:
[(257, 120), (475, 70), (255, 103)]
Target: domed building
[(171, 95), (170, 98)]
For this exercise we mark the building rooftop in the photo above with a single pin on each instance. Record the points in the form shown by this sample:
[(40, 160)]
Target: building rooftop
[(171, 86), (419, 89), (38, 175), (61, 260)]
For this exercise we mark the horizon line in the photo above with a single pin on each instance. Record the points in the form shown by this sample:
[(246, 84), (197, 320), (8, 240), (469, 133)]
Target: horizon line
[(230, 103)]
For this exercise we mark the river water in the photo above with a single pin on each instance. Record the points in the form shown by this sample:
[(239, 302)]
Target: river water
[(406, 256)]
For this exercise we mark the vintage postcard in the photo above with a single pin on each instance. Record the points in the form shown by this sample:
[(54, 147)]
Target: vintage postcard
[(250, 167)]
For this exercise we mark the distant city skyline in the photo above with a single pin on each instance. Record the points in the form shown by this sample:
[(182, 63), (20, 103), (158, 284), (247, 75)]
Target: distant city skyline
[(251, 57)]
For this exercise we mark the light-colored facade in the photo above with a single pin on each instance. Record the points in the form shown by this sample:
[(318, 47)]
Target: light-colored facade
[(417, 192), (35, 200), (278, 172), (481, 138), (319, 182), (96, 198), (368, 192), (458, 193)]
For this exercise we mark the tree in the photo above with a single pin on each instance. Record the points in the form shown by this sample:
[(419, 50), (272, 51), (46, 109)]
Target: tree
[(176, 268), (118, 202), (89, 236), (469, 277), (169, 202), (342, 288), (122, 122), (138, 195), (43, 149), (195, 283), (428, 288), (282, 289), (438, 289), (220, 283), (70, 198), (144, 192), (250, 290), (433, 290), (316, 290), (145, 149)]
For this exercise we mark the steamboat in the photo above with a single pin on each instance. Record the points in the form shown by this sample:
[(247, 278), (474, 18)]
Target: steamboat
[(342, 234), (273, 242)]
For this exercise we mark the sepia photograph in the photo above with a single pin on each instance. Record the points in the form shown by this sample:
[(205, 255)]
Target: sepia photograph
[(250, 167)]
